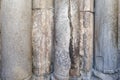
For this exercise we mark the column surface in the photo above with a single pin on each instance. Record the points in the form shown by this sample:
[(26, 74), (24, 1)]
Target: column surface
[(106, 27), (42, 38), (16, 40)]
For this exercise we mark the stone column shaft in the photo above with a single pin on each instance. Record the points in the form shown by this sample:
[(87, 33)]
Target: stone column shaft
[(16, 40), (42, 38), (86, 38), (62, 40), (106, 27), (74, 46)]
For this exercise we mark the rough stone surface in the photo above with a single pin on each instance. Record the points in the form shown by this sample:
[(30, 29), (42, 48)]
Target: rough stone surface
[(74, 46), (62, 40), (87, 5), (119, 25), (16, 39), (66, 45), (86, 44), (38, 4), (42, 38), (79, 24), (42, 41)]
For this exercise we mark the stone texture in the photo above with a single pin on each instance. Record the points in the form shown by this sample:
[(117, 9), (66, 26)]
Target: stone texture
[(87, 5), (86, 44), (80, 25), (62, 40), (42, 39), (74, 46), (106, 52), (102, 76), (119, 25), (16, 39), (38, 4), (67, 26)]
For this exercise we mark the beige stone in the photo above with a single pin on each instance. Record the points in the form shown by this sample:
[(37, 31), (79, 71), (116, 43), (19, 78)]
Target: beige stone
[(86, 5), (42, 36), (74, 46), (39, 4), (86, 43)]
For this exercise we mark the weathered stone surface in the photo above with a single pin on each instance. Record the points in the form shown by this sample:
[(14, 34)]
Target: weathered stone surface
[(75, 37), (81, 45), (86, 40), (119, 25), (86, 43), (118, 35), (45, 77), (16, 39), (106, 52), (87, 5), (42, 38), (102, 76), (42, 42), (62, 40), (39, 4)]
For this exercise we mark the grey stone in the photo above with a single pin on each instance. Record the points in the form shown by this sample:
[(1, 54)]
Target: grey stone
[(62, 62), (106, 36), (16, 39)]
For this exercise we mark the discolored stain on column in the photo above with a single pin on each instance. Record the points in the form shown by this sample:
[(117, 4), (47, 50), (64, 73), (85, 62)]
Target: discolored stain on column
[(74, 46)]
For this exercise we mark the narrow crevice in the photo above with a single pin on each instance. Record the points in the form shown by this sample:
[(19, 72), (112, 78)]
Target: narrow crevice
[(43, 9), (73, 47), (71, 30), (71, 37)]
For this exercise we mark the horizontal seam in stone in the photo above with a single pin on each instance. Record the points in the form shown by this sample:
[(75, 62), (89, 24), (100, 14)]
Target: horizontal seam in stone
[(42, 8), (88, 11)]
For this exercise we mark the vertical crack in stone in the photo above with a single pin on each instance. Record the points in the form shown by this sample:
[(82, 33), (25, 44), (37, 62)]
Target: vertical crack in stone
[(71, 36), (74, 38), (71, 52)]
